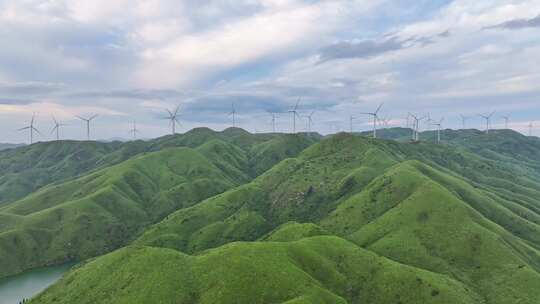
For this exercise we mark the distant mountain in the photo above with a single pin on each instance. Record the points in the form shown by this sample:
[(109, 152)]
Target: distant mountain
[(4, 146), (348, 220)]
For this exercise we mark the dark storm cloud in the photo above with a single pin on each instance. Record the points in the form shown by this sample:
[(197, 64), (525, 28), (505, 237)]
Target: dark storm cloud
[(517, 24)]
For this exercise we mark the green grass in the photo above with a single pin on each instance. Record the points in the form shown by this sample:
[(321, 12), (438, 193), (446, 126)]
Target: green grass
[(449, 217), (26, 169), (239, 218), (313, 270), (105, 209)]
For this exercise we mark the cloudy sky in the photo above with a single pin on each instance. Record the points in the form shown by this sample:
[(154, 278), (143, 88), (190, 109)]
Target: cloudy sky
[(128, 60)]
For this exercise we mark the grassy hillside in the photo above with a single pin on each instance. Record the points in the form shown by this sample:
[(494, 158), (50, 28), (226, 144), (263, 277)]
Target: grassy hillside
[(348, 220), (103, 210), (312, 270), (26, 169), (450, 217)]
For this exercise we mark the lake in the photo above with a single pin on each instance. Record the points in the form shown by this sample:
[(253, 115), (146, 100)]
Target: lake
[(28, 284)]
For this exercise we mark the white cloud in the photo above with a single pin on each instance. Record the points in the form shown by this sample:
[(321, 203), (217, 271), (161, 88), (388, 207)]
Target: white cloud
[(59, 110), (282, 29)]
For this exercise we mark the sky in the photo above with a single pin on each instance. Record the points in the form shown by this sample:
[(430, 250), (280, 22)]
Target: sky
[(130, 60)]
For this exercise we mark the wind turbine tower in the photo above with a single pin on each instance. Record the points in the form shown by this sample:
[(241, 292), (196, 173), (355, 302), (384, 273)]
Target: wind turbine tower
[(56, 128), (310, 121), (416, 126), (438, 124), (32, 128), (273, 121), (506, 119), (233, 114), (87, 120), (351, 118), (294, 113), (488, 120), (134, 130), (375, 118), (173, 119), (385, 122), (464, 121)]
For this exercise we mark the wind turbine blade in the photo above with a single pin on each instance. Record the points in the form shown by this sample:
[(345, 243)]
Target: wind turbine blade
[(25, 128), (93, 117), (170, 114), (37, 131), (54, 129), (297, 103), (81, 118), (54, 119), (176, 110), (379, 108)]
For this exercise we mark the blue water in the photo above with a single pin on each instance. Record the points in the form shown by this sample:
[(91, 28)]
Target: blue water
[(28, 284)]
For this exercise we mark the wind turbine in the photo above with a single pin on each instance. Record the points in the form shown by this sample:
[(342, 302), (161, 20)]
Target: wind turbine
[(531, 128), (294, 113), (506, 119), (416, 126), (56, 128), (408, 124), (385, 122), (438, 124), (233, 114), (310, 121), (133, 131), (488, 120), (375, 117), (173, 118), (31, 128), (87, 120), (463, 120), (273, 121), (351, 118)]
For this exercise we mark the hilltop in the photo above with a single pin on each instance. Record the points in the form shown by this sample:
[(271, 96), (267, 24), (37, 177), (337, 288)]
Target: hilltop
[(26, 169), (348, 220), (101, 210)]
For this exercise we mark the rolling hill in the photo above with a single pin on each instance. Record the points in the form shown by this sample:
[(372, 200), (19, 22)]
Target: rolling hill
[(26, 169), (100, 211), (293, 219)]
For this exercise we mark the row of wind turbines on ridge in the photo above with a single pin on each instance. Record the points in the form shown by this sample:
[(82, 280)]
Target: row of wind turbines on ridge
[(413, 122)]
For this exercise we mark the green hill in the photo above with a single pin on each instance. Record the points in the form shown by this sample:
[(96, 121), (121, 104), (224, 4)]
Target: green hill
[(363, 190), (349, 219), (103, 210), (312, 270), (26, 169)]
